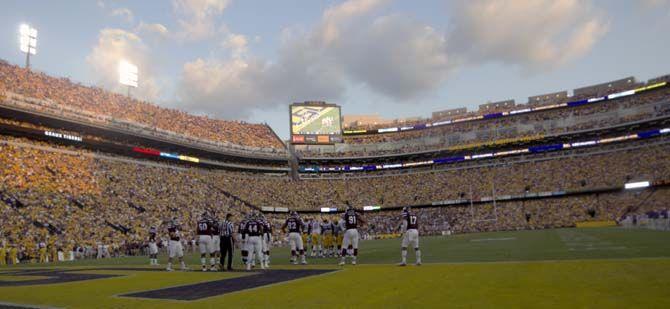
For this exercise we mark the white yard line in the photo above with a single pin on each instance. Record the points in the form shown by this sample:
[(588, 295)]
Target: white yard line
[(492, 239)]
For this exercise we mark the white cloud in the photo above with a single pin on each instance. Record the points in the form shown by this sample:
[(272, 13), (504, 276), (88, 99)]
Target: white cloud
[(124, 13), (152, 30), (656, 5), (197, 18), (219, 86), (234, 87), (393, 55), (237, 44), (115, 45), (337, 16), (539, 34)]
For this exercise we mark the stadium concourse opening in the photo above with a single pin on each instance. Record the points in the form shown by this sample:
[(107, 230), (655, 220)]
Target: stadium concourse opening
[(158, 167)]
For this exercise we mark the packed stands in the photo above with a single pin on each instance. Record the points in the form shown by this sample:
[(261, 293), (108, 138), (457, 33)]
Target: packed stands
[(62, 195), (114, 143), (82, 202), (88, 200), (524, 126), (524, 215), (45, 92), (589, 168)]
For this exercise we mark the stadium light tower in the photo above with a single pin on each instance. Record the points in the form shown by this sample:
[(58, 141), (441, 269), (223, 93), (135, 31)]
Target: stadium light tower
[(28, 41), (128, 75)]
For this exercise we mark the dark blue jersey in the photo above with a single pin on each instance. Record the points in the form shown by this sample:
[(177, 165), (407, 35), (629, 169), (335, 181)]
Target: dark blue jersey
[(254, 228), (350, 219), (412, 221), (294, 225), (173, 230), (204, 227)]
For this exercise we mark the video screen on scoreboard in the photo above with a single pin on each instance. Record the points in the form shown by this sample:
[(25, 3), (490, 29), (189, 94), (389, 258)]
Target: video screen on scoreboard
[(315, 123)]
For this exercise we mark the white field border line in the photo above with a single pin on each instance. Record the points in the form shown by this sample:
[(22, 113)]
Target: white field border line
[(591, 244), (492, 239), (25, 305), (598, 248), (655, 258)]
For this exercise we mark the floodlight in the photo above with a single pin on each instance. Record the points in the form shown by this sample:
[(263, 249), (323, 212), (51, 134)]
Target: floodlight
[(28, 41), (128, 74)]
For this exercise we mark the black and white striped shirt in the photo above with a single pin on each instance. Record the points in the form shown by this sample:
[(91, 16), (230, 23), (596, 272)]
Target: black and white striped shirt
[(226, 229)]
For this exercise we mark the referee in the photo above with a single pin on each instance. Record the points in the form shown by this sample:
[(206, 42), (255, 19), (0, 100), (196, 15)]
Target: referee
[(226, 233)]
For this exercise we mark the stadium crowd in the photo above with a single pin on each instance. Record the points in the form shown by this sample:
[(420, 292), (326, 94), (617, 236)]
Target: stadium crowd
[(501, 130), (59, 198), (568, 171), (71, 201), (529, 214), (73, 96)]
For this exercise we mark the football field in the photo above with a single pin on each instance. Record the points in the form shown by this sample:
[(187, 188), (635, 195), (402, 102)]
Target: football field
[(583, 268)]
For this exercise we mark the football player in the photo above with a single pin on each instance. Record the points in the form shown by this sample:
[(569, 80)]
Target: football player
[(252, 235), (338, 232), (3, 253), (175, 248), (242, 226), (42, 251), (295, 227), (409, 228), (306, 240), (327, 237), (316, 237), (216, 241), (266, 240), (153, 247), (351, 236), (205, 244)]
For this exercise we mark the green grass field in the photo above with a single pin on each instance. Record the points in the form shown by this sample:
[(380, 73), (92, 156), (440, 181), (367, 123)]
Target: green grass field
[(584, 268)]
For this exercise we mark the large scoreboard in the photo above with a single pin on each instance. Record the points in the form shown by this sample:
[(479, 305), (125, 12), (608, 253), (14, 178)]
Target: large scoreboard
[(315, 123)]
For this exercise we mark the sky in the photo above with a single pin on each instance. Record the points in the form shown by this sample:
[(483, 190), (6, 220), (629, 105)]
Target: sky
[(248, 60)]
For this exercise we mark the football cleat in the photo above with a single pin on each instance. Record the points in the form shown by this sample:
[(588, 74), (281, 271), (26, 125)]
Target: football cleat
[(402, 264), (168, 269), (418, 264)]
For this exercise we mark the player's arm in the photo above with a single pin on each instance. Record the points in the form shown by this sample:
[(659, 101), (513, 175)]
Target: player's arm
[(283, 227), (402, 227)]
